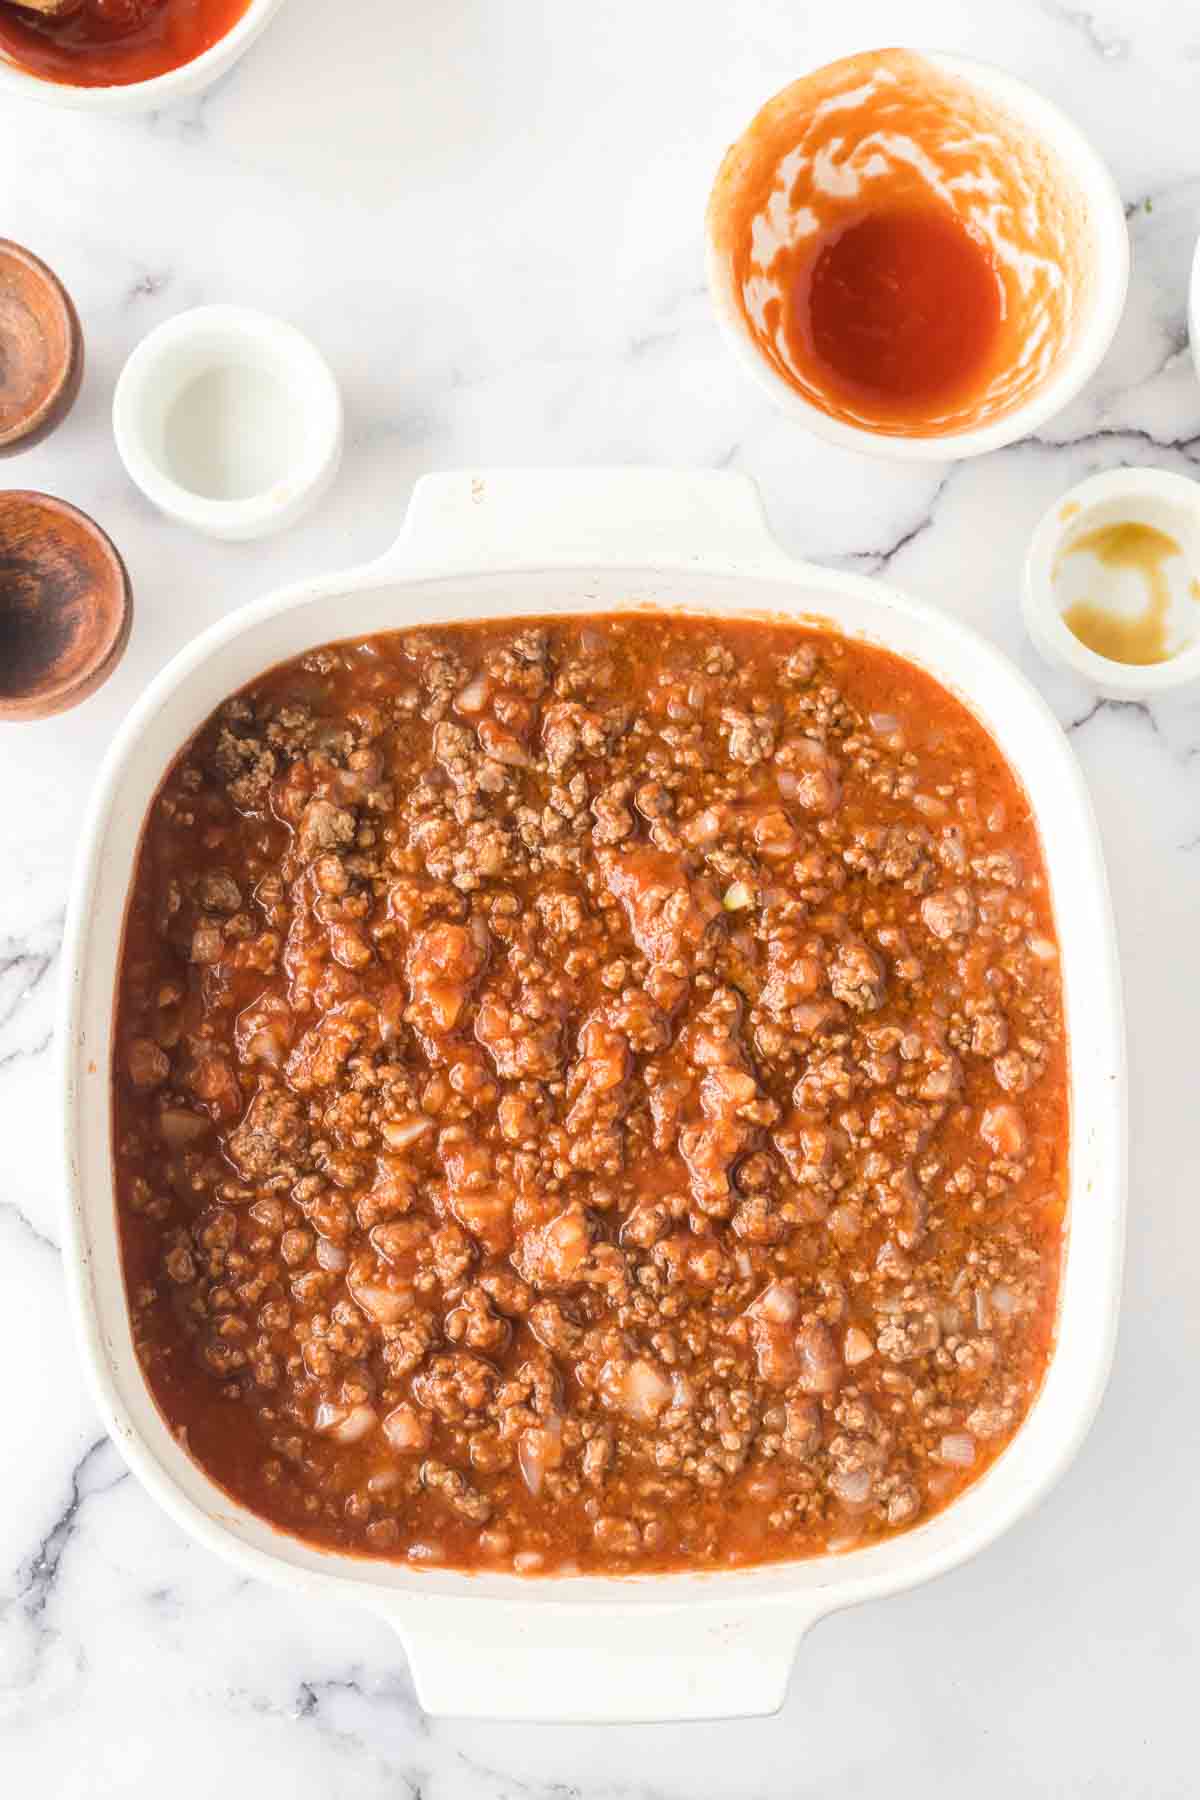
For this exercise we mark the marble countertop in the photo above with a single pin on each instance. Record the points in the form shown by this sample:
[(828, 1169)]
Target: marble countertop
[(488, 217)]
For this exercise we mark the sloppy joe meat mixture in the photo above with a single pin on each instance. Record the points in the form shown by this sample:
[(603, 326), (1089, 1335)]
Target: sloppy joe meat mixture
[(590, 1095)]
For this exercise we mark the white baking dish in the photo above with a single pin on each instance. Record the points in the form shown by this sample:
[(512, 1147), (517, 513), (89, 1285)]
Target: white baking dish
[(679, 1646)]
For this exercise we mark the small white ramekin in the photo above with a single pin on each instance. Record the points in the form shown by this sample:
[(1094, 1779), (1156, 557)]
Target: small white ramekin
[(1171, 503), (208, 338), (1065, 144), (144, 96)]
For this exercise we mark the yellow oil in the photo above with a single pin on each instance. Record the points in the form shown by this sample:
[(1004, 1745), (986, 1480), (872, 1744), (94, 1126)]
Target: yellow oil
[(1144, 637)]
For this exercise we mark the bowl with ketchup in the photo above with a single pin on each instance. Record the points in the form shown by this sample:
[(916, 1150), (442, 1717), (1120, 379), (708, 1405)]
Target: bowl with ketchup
[(916, 255), (122, 55)]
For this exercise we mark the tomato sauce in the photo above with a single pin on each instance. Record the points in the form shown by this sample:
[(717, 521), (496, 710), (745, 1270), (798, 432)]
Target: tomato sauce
[(900, 309), (590, 1095), (110, 43), (903, 253)]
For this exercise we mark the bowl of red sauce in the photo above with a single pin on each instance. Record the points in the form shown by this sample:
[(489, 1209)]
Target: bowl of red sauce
[(124, 55), (916, 254)]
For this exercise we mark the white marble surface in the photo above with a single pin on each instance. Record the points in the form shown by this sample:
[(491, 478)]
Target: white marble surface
[(488, 216)]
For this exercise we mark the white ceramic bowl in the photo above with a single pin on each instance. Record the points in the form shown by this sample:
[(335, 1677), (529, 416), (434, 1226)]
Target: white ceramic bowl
[(229, 420), (145, 96), (1155, 497), (1105, 215), (498, 545)]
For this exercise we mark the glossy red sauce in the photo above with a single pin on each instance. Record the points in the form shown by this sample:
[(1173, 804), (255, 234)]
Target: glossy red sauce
[(900, 307), (902, 252), (451, 1229), (110, 43)]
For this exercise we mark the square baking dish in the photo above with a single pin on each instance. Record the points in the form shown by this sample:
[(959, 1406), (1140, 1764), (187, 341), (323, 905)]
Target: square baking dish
[(678, 1646)]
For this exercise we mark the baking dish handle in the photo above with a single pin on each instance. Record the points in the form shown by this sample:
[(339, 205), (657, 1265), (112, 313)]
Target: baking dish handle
[(525, 515), (600, 1666)]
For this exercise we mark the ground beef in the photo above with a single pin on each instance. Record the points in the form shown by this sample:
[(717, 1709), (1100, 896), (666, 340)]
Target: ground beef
[(590, 1095)]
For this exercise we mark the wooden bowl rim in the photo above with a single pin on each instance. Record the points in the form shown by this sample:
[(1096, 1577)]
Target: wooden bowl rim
[(31, 422), (53, 697)]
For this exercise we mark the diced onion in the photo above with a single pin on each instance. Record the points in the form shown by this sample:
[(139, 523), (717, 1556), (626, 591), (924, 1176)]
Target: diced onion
[(423, 1553), (400, 1133), (345, 1425), (852, 1486), (844, 1223), (643, 1391), (473, 697), (683, 1394), (180, 1127), (539, 1449), (387, 1306), (391, 1004), (405, 1430), (704, 828), (737, 897), (819, 1363), (807, 751), (331, 1256), (958, 1448), (779, 1304)]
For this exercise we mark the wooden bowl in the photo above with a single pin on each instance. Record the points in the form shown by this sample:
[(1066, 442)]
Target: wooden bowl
[(65, 606), (41, 350)]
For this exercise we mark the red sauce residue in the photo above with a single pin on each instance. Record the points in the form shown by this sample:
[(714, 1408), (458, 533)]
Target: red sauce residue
[(903, 253), (900, 308), (110, 43)]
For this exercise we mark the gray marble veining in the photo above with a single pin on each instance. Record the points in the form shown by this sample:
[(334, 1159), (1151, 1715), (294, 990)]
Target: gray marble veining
[(489, 218)]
